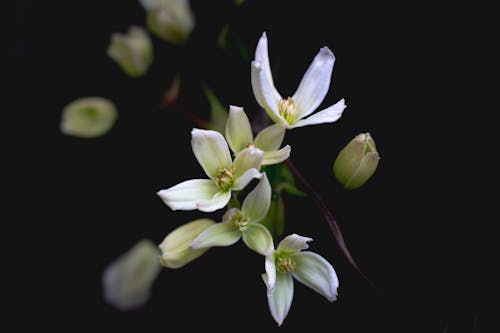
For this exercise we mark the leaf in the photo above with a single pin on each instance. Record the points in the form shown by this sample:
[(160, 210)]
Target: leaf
[(275, 218), (218, 113)]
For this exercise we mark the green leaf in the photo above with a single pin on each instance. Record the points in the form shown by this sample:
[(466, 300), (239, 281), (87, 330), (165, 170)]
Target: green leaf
[(218, 113), (275, 218)]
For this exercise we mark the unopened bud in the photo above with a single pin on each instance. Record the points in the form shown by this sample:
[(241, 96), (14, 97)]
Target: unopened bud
[(175, 247), (357, 162)]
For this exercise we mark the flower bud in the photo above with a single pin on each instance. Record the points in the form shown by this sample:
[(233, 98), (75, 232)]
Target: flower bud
[(171, 20), (175, 247), (88, 117), (133, 51), (127, 281), (357, 162)]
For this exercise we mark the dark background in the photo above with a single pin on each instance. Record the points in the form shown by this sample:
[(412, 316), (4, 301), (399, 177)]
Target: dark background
[(85, 202)]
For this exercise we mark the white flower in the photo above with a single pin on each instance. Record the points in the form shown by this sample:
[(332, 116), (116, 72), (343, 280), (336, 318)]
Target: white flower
[(308, 268), (127, 281), (239, 136), (208, 195), (308, 96), (242, 223)]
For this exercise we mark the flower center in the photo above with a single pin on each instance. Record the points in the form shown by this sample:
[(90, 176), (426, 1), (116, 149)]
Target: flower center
[(224, 178), (285, 264), (288, 110), (234, 215)]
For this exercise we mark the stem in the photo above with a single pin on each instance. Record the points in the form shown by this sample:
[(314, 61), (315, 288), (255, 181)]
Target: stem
[(337, 234)]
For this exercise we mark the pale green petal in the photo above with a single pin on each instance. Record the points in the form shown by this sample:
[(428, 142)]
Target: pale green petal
[(248, 158), (186, 195), (277, 156), (270, 138), (175, 247), (315, 83), (220, 234), (366, 168), (265, 93), (241, 182), (88, 117), (219, 200), (257, 202), (315, 272), (238, 130), (127, 281), (293, 244), (258, 238), (211, 151), (280, 298), (328, 115), (270, 275)]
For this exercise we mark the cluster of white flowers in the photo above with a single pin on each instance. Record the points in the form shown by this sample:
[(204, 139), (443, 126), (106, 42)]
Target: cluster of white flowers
[(228, 173)]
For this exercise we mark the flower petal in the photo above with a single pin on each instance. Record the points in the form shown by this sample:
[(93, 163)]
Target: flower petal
[(258, 238), (246, 178), (280, 298), (256, 204), (262, 56), (328, 115), (277, 156), (246, 159), (219, 200), (175, 247), (238, 130), (270, 275), (211, 151), (315, 83), (265, 93), (186, 195), (220, 234), (315, 272), (293, 244), (270, 138)]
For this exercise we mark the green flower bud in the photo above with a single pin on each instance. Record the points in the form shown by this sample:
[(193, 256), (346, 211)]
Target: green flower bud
[(175, 247), (133, 51), (357, 162), (88, 117)]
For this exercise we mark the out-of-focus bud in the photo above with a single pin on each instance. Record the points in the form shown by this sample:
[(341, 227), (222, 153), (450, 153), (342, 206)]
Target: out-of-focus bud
[(133, 51), (128, 280), (175, 247), (357, 162), (171, 20), (88, 117)]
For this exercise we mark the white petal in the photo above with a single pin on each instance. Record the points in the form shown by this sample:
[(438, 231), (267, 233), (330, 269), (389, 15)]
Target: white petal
[(280, 298), (265, 93), (262, 56), (248, 158), (186, 195), (258, 238), (241, 182), (293, 244), (220, 234), (211, 151), (315, 272), (219, 200), (277, 156), (238, 130), (328, 115), (270, 138), (257, 202), (270, 275), (315, 83)]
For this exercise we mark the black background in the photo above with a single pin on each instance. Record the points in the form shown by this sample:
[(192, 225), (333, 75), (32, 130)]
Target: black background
[(87, 201)]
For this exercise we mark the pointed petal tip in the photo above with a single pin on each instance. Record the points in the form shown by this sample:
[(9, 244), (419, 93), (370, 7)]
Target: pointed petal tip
[(235, 108), (326, 50)]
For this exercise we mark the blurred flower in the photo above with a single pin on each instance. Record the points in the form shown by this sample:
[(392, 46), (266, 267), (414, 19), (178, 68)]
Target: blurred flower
[(242, 223), (357, 162), (309, 95), (172, 93), (225, 175), (175, 247), (127, 281), (88, 117), (133, 51), (308, 268), (171, 20), (239, 136)]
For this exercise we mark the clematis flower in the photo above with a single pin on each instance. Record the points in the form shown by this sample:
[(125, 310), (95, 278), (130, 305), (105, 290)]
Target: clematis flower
[(242, 223), (308, 268), (208, 195), (239, 136), (308, 96)]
